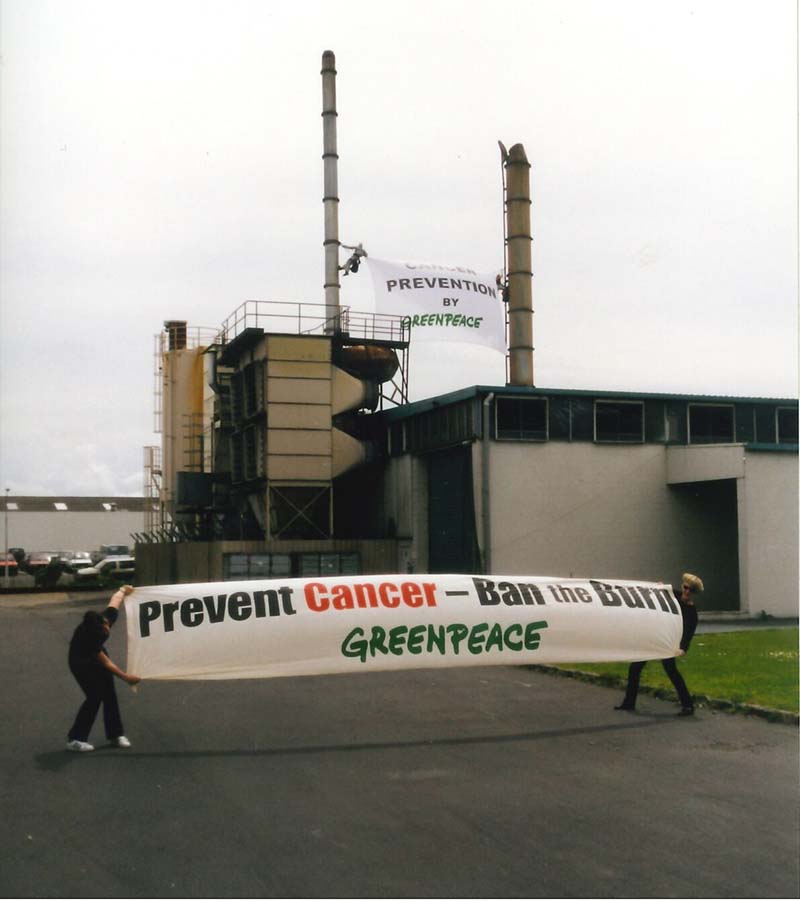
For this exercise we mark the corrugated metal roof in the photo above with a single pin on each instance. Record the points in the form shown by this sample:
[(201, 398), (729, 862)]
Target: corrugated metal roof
[(65, 503)]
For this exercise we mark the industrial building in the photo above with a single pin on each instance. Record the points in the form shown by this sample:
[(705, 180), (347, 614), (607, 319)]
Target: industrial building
[(289, 448), (56, 523), (283, 463)]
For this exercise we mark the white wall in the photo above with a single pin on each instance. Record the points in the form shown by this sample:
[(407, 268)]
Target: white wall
[(594, 511), (65, 530), (582, 510), (768, 533)]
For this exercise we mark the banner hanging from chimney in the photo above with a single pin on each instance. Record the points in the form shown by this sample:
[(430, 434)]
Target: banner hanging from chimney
[(441, 303)]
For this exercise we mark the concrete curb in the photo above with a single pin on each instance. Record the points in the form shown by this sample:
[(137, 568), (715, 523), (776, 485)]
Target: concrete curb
[(767, 713)]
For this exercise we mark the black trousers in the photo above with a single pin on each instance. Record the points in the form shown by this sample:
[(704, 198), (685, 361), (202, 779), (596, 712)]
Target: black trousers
[(670, 668), (97, 684)]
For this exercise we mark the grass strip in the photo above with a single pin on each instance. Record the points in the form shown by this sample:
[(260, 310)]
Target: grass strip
[(754, 666)]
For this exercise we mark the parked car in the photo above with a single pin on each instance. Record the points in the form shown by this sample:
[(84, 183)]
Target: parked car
[(76, 560), (18, 553), (118, 568), (8, 565), (110, 550), (37, 560)]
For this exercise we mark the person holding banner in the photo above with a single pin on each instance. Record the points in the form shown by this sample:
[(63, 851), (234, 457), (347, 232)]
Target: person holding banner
[(94, 671), (690, 585)]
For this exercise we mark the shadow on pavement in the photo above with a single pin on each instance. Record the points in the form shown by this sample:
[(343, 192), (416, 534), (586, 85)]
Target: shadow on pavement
[(55, 761)]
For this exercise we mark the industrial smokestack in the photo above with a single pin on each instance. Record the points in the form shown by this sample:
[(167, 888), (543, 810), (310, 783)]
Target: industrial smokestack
[(331, 198), (520, 273)]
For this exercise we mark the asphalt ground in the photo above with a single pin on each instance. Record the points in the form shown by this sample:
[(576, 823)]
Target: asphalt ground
[(484, 782)]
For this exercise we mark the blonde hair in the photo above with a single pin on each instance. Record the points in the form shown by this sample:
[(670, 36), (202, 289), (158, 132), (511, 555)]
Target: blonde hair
[(695, 583)]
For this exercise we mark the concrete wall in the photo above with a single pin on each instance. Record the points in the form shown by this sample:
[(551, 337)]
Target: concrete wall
[(71, 531), (596, 511), (405, 501), (768, 530), (650, 512)]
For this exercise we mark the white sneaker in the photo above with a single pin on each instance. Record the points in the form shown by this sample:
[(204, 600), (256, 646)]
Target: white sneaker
[(120, 742), (76, 745)]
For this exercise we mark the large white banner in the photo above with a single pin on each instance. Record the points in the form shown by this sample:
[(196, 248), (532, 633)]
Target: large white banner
[(441, 303), (300, 627)]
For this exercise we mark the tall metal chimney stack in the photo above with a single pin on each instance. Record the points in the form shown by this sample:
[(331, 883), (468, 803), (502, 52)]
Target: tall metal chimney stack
[(520, 273), (331, 196)]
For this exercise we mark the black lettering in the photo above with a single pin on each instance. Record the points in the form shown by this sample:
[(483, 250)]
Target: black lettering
[(606, 595), (215, 609), (487, 596), (168, 611), (509, 594), (667, 601), (240, 607), (286, 599), (645, 594), (192, 612), (531, 593), (148, 612)]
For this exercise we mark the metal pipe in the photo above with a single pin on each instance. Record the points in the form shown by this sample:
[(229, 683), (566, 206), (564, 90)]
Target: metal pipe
[(485, 485), (331, 191), (6, 560), (520, 273)]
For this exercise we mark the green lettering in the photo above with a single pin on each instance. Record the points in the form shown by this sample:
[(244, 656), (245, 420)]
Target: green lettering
[(458, 632), (436, 638), (532, 637), (476, 638), (416, 635), (377, 641), (397, 639), (495, 638), (355, 645)]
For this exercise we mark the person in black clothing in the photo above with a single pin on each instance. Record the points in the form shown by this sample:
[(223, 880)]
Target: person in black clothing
[(690, 585), (94, 672)]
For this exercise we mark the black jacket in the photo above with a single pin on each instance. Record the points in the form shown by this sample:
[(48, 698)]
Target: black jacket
[(86, 642)]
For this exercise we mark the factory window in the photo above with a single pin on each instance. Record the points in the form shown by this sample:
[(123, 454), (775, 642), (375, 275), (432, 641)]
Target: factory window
[(60, 506), (335, 564), (711, 424), (238, 567), (619, 421), (786, 418), (256, 566), (521, 419)]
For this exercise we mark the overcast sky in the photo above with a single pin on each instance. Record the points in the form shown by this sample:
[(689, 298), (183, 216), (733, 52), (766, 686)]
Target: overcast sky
[(162, 160)]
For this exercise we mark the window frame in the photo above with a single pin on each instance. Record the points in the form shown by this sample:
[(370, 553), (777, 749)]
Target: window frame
[(538, 439), (692, 405), (612, 402), (778, 411), (294, 561)]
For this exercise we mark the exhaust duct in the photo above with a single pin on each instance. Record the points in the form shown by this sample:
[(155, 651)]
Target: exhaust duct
[(330, 199), (520, 273)]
